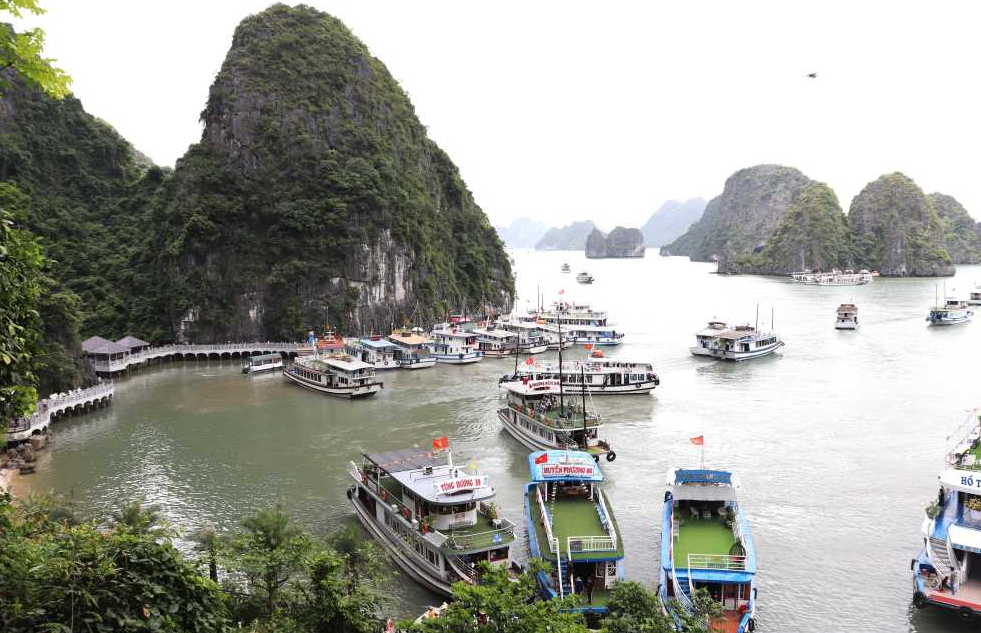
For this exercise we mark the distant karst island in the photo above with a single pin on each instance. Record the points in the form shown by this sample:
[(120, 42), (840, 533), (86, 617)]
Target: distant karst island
[(621, 242)]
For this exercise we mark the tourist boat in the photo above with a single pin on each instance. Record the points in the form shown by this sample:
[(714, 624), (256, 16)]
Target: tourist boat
[(531, 340), (329, 343), (953, 311), (580, 323), (834, 278), (412, 349), (945, 570), (974, 298), (570, 526), (496, 343), (373, 350), (584, 278), (847, 317), (438, 521), (597, 375), (541, 417), (454, 346), (738, 343), (335, 375), (262, 362), (706, 544), (566, 268), (554, 338)]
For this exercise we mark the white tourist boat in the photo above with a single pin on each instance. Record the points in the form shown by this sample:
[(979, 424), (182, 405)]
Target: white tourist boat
[(584, 278), (496, 343), (834, 278), (539, 415), (580, 323), (438, 521), (945, 570), (597, 375), (373, 350), (454, 346), (738, 343), (554, 337), (412, 349), (262, 362), (335, 375), (952, 312), (566, 268), (706, 544), (974, 299), (846, 318), (531, 339)]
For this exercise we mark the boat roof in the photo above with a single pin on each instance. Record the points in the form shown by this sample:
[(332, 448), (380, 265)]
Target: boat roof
[(338, 361), (961, 480), (738, 332), (702, 484), (495, 333), (524, 325), (376, 343), (454, 333), (414, 458), (266, 356), (563, 466), (445, 484), (533, 387), (410, 338)]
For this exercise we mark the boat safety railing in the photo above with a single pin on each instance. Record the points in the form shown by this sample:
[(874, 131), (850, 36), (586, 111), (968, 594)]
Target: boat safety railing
[(466, 540), (723, 562), (554, 420), (605, 518), (592, 544), (387, 497), (546, 521), (553, 544), (464, 568)]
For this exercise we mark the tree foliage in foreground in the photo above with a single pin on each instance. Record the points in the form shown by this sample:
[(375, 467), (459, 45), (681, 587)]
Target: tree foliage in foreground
[(23, 52)]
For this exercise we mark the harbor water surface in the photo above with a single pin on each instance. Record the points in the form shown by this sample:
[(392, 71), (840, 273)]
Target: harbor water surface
[(837, 439)]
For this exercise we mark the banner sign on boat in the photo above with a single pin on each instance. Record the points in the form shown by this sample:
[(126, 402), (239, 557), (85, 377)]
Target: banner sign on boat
[(460, 484), (567, 470), (550, 383), (963, 480)]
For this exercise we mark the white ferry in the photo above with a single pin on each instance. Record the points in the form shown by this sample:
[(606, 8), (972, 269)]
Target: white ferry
[(412, 349), (566, 268), (554, 338), (584, 278), (454, 346), (438, 521), (597, 375), (974, 299), (541, 417), (570, 525), (706, 544), (846, 317), (742, 342), (580, 323), (335, 375), (496, 343), (531, 340), (262, 362), (834, 278), (952, 312), (944, 572), (373, 350)]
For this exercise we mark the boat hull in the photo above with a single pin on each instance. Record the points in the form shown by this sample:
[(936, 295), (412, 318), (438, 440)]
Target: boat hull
[(846, 325), (259, 370), (734, 355), (528, 440), (458, 359), (339, 392), (950, 320), (424, 363)]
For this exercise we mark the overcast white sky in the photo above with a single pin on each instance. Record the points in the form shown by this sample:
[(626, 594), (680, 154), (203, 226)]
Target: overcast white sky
[(602, 110)]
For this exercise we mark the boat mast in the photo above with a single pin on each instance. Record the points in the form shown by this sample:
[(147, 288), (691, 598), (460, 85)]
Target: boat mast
[(757, 317), (772, 313), (582, 372), (561, 395)]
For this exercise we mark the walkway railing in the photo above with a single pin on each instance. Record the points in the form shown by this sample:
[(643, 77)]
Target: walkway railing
[(135, 358), (55, 404), (591, 544), (723, 562)]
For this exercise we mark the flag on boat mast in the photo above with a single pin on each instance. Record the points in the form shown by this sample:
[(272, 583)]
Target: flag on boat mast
[(441, 443), (700, 441), (541, 459)]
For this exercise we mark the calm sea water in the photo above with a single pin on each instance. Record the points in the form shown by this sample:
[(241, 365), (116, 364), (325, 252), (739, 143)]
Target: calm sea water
[(837, 439)]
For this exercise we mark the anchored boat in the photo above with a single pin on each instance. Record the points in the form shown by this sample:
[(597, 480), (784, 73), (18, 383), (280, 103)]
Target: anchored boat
[(944, 573), (834, 278), (706, 544), (329, 343), (566, 268), (262, 362), (334, 375), (571, 527), (952, 312), (597, 375), (742, 342), (584, 278), (455, 346), (411, 349), (374, 350), (540, 417), (847, 317), (438, 521), (974, 299), (531, 340), (496, 343), (581, 324)]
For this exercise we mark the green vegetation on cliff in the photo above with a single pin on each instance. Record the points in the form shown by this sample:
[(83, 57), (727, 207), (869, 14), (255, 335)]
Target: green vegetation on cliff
[(315, 186), (962, 235), (813, 234)]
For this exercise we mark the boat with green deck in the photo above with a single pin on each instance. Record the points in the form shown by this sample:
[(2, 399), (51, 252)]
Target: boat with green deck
[(539, 416), (437, 521), (571, 526)]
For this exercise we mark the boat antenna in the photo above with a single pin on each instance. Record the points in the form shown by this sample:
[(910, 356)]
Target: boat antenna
[(561, 394), (516, 357), (757, 317), (772, 313)]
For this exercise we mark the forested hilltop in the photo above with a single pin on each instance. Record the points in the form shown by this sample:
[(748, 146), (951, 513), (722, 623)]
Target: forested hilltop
[(772, 219), (314, 190)]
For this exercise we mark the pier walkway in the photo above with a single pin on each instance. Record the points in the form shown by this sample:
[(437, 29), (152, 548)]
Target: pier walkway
[(110, 364), (57, 405)]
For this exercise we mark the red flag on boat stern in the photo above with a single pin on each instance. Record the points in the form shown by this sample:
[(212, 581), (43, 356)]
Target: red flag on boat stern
[(587, 346), (529, 361), (441, 442), (698, 441), (541, 459)]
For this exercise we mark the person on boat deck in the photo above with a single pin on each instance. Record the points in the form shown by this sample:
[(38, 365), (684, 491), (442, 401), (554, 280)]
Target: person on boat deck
[(589, 588)]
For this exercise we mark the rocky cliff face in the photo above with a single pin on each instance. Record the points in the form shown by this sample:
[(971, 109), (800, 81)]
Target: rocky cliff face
[(621, 242), (896, 231), (314, 189), (671, 221), (962, 235), (742, 218), (568, 238)]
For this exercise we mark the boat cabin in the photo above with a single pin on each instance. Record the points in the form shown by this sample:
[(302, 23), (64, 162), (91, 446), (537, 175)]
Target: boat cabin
[(374, 350), (262, 362), (411, 347), (335, 371), (496, 342)]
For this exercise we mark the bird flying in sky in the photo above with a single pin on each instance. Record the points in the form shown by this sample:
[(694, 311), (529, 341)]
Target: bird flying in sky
[(812, 75)]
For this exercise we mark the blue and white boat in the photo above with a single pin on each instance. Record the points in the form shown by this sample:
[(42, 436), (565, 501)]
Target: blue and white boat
[(455, 343), (373, 350), (580, 323), (947, 570), (952, 312), (741, 342), (706, 544), (571, 527)]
